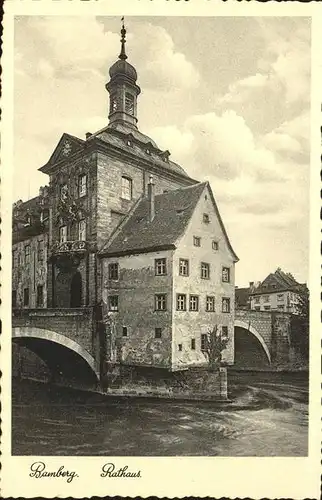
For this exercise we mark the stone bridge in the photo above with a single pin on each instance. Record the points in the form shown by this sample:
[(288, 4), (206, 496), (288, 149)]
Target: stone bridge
[(65, 339), (262, 338), (73, 346)]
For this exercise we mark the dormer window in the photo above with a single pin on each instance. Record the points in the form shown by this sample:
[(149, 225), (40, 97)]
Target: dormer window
[(129, 143), (148, 151), (126, 188)]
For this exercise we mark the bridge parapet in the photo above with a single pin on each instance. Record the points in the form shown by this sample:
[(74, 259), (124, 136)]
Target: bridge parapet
[(76, 324)]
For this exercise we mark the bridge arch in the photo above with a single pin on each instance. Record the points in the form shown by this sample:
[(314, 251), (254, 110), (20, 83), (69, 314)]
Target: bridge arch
[(27, 332), (246, 326)]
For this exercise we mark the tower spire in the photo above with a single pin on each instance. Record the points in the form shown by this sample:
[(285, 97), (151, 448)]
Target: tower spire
[(123, 55)]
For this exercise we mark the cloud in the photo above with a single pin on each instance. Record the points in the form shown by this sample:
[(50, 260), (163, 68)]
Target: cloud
[(70, 54), (284, 68), (161, 66)]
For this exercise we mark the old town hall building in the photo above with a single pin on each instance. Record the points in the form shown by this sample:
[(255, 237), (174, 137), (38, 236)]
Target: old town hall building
[(122, 227)]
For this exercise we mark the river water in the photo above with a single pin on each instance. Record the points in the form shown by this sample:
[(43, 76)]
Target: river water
[(268, 416)]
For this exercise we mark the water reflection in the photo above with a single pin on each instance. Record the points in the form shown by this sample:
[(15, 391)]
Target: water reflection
[(268, 416)]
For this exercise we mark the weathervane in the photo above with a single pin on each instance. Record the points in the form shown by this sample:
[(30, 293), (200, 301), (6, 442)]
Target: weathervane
[(123, 55)]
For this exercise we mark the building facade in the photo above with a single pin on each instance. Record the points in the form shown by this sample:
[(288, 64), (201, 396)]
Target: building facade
[(72, 248), (278, 292)]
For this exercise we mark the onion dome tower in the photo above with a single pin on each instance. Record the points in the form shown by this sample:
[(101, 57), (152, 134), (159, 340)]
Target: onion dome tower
[(123, 89)]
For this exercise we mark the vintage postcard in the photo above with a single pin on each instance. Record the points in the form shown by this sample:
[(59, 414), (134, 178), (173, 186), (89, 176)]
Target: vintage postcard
[(161, 249)]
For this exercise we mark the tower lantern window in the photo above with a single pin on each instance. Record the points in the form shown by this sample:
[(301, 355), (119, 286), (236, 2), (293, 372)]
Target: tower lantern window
[(129, 104)]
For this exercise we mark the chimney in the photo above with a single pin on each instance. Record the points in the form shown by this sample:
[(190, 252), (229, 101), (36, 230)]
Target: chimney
[(151, 199)]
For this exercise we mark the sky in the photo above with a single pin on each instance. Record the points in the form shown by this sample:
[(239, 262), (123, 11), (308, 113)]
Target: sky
[(228, 97)]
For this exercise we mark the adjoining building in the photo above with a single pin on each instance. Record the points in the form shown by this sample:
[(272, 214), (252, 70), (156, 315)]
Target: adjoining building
[(122, 227), (278, 292)]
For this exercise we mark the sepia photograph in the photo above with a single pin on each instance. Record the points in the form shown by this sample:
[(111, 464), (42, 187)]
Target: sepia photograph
[(160, 236)]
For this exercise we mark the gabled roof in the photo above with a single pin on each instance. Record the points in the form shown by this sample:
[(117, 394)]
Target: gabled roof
[(173, 211), (277, 282), (66, 147)]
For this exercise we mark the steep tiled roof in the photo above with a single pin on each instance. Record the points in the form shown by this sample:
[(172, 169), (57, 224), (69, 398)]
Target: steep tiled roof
[(140, 143), (275, 282), (173, 211)]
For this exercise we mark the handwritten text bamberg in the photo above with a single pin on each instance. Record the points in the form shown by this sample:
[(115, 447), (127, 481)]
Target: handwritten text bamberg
[(109, 470), (38, 471)]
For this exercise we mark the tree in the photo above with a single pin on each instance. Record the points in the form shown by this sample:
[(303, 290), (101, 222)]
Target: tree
[(214, 344), (300, 323)]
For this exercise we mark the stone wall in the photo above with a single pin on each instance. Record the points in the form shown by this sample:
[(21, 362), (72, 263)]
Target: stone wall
[(192, 384), (260, 321), (76, 324), (111, 208), (136, 289)]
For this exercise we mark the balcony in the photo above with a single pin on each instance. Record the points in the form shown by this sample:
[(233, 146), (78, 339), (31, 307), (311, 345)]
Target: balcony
[(70, 247)]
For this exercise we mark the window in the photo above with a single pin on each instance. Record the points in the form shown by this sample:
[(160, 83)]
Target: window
[(26, 297), (193, 303), (160, 266), (40, 250), (225, 305), (14, 299), (267, 298), (280, 297), (205, 218), (203, 341), (225, 274), (257, 300), (210, 303), (113, 271), (82, 230), (224, 331), (160, 302), (196, 241), (27, 254), (129, 104), (183, 267), (113, 303), (215, 245), (126, 188), (181, 302), (205, 270), (40, 296), (193, 344), (62, 234), (82, 185), (124, 331), (179, 347), (267, 308), (157, 333), (280, 306)]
